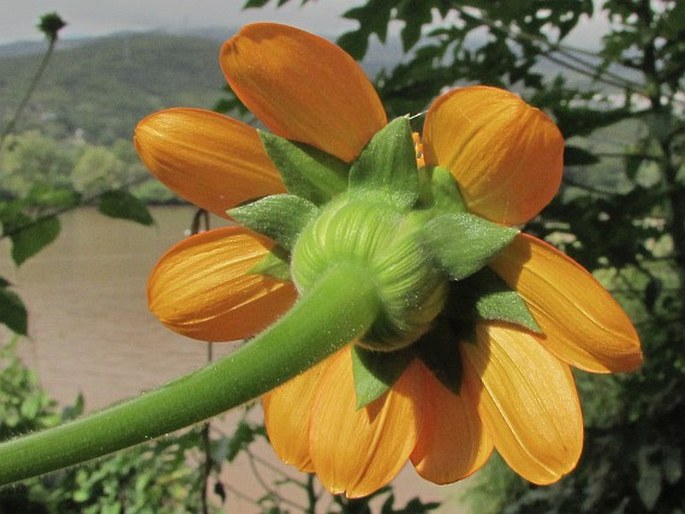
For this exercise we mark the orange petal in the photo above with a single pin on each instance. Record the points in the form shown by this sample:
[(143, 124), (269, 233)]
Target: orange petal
[(359, 451), (527, 400), (201, 288), (210, 160), (582, 323), (453, 442), (506, 156), (287, 413), (303, 87)]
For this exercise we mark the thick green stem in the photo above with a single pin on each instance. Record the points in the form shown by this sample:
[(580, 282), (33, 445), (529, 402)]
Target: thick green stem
[(340, 307)]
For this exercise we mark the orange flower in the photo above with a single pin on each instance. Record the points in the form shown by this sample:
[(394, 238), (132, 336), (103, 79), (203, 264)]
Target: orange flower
[(516, 393)]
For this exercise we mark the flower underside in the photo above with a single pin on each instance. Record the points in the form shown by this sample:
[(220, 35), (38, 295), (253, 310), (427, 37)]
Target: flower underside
[(408, 228)]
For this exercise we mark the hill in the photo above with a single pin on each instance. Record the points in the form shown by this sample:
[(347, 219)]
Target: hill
[(102, 87)]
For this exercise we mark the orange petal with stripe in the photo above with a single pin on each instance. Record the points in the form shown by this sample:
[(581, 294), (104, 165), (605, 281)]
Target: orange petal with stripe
[(202, 287), (453, 442), (357, 452), (303, 87), (287, 413), (583, 325), (506, 156), (210, 160), (527, 400)]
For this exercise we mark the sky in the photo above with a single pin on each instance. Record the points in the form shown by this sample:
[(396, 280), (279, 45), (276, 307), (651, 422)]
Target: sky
[(18, 18)]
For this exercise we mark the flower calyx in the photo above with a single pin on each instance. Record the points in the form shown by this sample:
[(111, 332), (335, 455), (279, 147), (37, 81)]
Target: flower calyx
[(407, 229)]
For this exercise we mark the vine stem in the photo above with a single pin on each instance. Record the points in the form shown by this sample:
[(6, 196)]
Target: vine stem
[(341, 306), (9, 128)]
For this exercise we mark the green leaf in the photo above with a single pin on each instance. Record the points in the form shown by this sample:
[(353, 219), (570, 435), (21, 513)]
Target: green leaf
[(13, 313), (123, 205), (416, 14), (274, 264), (354, 45), (74, 411), (439, 351), (388, 163), (495, 300), (33, 238), (576, 156), (280, 217), (375, 372), (581, 121), (463, 243), (306, 171), (439, 191), (255, 4)]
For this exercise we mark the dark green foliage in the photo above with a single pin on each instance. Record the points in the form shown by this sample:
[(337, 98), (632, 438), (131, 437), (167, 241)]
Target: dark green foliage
[(151, 479), (24, 406)]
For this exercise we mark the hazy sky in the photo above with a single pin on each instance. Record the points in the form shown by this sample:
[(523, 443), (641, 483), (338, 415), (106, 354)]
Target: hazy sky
[(18, 18)]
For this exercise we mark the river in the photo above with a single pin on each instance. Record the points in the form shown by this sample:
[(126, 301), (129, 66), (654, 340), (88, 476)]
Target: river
[(90, 330)]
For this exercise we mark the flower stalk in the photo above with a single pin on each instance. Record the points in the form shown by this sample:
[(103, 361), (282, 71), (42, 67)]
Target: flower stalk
[(339, 308)]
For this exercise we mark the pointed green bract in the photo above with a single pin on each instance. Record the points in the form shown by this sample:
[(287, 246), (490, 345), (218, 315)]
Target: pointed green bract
[(388, 164), (463, 243), (439, 192), (305, 170), (375, 372), (280, 217), (274, 264), (495, 300)]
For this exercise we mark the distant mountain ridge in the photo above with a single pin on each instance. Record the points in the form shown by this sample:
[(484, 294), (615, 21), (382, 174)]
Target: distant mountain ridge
[(25, 47), (99, 88)]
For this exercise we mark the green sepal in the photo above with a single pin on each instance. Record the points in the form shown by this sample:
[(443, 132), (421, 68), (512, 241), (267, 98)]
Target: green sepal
[(274, 264), (280, 217), (388, 163), (439, 191), (306, 171), (495, 300), (463, 243), (375, 372), (439, 351)]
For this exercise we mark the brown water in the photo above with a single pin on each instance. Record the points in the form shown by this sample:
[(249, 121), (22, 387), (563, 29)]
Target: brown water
[(90, 330)]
